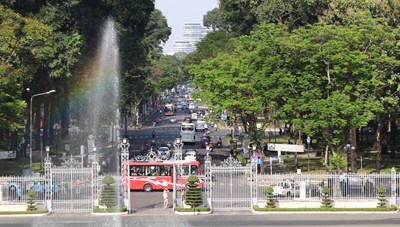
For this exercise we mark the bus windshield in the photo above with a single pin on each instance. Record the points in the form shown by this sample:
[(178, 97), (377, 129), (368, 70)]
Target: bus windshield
[(169, 109)]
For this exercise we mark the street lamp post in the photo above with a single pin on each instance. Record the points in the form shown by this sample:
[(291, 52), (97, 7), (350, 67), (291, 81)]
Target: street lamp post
[(349, 150), (30, 125), (308, 152), (47, 152)]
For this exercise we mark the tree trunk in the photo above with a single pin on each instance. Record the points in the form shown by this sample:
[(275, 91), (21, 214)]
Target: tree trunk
[(326, 159), (393, 137), (378, 147), (384, 136), (353, 156)]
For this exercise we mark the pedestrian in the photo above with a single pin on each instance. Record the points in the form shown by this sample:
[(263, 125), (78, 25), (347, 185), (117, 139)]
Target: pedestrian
[(165, 196), (19, 193)]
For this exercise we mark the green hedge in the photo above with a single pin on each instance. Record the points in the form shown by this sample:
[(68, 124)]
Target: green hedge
[(96, 209), (257, 208), (24, 212), (197, 209)]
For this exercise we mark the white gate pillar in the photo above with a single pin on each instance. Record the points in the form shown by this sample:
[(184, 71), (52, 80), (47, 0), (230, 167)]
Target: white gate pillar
[(208, 179), (178, 156), (253, 184), (125, 175), (48, 176), (95, 182), (393, 186)]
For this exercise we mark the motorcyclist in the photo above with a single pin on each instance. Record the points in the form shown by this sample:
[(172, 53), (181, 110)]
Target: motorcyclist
[(219, 142), (153, 143), (145, 146), (153, 134)]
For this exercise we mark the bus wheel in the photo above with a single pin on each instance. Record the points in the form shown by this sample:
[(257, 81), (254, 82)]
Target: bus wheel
[(147, 188)]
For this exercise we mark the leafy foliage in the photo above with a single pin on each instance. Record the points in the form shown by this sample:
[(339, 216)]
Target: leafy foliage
[(108, 196), (193, 195), (382, 197), (32, 205), (269, 191), (326, 202), (338, 162)]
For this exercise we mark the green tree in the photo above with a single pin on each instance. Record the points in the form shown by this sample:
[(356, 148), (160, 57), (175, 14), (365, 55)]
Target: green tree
[(382, 197), (326, 202), (32, 205), (108, 196), (25, 45), (193, 196), (269, 192)]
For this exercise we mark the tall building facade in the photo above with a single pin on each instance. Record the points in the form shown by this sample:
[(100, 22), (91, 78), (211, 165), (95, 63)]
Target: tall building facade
[(192, 34)]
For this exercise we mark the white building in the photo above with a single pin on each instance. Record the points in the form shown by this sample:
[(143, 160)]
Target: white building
[(193, 33), (183, 46)]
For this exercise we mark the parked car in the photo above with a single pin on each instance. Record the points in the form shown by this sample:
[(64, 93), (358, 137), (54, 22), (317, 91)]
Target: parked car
[(163, 153), (356, 182), (286, 188)]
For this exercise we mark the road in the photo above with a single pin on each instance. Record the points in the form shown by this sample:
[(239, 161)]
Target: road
[(168, 132), (219, 219)]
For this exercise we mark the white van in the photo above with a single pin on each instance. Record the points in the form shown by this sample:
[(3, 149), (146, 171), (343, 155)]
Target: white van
[(188, 132)]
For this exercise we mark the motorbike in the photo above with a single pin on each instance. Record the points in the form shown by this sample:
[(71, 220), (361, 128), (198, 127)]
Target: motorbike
[(162, 143), (153, 143), (219, 143)]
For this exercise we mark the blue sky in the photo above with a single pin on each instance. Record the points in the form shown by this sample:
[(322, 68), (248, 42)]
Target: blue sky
[(178, 12)]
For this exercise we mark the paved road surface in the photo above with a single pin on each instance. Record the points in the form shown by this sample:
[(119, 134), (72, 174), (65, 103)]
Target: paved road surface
[(164, 218)]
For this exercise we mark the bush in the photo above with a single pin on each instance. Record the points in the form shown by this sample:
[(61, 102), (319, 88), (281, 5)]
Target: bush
[(197, 209), (32, 205), (269, 191), (382, 198), (108, 196), (193, 194), (326, 201)]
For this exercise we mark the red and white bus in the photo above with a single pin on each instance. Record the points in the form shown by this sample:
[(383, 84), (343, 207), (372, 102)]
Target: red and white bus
[(169, 109), (158, 175)]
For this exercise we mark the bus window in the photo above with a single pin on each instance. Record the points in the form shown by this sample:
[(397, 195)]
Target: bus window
[(137, 171), (152, 171), (193, 170), (165, 170), (185, 170)]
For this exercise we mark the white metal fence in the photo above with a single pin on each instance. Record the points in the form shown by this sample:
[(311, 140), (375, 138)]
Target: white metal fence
[(14, 189), (348, 187)]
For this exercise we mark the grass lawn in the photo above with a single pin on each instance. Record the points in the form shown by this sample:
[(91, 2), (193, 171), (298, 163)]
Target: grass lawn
[(14, 167)]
